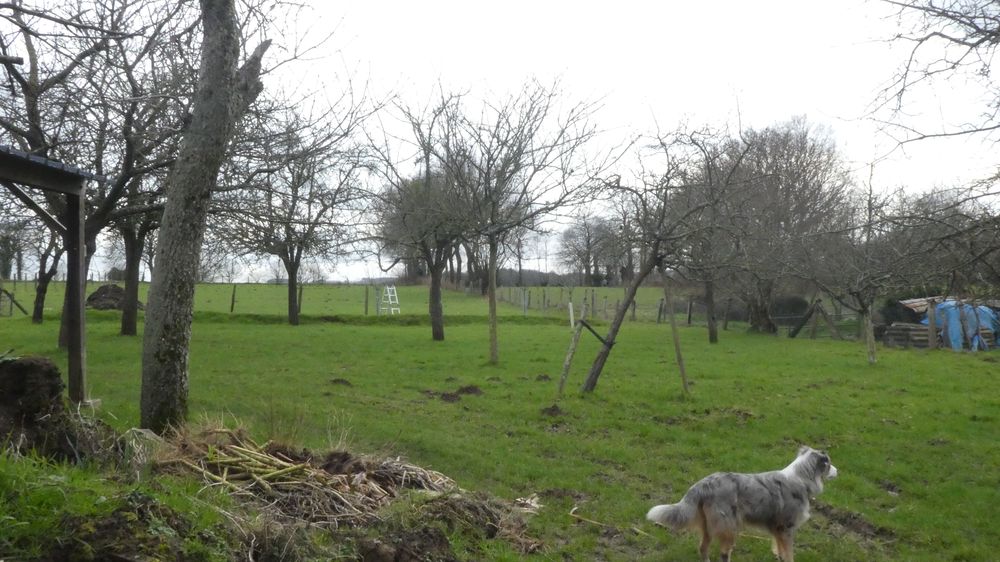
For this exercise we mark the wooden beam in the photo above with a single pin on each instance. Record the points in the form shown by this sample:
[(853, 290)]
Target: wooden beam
[(49, 220)]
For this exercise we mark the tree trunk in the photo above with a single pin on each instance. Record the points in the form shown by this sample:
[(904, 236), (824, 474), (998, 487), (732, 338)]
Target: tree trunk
[(221, 97), (292, 272), (869, 333), (134, 241), (616, 324), (674, 334), (713, 326), (435, 308), (491, 297), (45, 275), (759, 308)]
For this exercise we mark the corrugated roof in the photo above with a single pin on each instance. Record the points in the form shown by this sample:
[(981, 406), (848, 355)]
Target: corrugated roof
[(49, 163)]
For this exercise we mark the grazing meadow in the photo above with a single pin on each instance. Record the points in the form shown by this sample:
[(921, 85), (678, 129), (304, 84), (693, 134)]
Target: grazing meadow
[(914, 436)]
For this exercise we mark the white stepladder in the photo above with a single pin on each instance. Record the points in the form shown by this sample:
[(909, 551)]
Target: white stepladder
[(388, 302)]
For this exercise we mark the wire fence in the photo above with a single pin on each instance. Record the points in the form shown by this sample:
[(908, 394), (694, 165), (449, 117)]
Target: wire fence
[(601, 305)]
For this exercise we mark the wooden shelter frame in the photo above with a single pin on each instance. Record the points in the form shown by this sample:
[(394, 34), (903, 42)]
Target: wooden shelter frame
[(17, 169)]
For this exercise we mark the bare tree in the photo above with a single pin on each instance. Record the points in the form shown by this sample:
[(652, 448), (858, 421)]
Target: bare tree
[(578, 248), (948, 39), (302, 187), (792, 180), (104, 86), (223, 95), (515, 162), (665, 216)]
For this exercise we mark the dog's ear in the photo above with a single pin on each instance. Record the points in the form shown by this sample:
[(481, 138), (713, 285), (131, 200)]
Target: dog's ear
[(803, 450)]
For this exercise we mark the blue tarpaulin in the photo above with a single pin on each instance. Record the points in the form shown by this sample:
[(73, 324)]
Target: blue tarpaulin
[(960, 323)]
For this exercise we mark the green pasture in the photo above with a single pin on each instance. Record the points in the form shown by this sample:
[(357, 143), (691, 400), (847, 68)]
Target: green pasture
[(914, 436)]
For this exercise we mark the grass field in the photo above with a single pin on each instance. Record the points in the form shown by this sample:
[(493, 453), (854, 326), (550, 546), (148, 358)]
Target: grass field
[(914, 436)]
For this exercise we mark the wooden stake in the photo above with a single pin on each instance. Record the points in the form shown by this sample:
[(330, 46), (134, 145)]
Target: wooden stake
[(571, 352)]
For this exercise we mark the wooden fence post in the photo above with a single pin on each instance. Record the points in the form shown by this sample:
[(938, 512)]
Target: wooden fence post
[(932, 324), (232, 300)]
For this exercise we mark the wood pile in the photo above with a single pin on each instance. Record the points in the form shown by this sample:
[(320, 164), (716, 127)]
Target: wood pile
[(903, 334)]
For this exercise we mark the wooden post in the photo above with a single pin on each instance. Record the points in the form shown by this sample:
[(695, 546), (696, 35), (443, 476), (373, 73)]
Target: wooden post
[(803, 321), (814, 326), (232, 300), (366, 300), (829, 321), (659, 312), (690, 309), (76, 287), (593, 303), (605, 307), (932, 324), (725, 315), (676, 338), (633, 309), (299, 303), (572, 350), (572, 322)]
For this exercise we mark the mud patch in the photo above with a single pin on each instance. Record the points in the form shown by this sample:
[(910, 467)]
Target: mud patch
[(417, 545), (890, 487), (847, 522), (553, 411), (341, 382), (469, 390)]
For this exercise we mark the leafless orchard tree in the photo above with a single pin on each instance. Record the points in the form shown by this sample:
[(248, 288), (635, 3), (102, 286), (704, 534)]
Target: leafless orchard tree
[(297, 189), (514, 162), (718, 183), (420, 216), (103, 86), (665, 216), (950, 40), (224, 92), (792, 181), (947, 39)]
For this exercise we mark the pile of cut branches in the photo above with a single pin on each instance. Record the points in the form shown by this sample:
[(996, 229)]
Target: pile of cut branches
[(329, 491)]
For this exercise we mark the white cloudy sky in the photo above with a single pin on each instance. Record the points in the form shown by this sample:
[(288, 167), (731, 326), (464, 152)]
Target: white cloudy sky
[(719, 63), (660, 62)]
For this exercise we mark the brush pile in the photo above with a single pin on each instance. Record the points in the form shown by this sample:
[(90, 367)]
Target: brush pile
[(331, 491)]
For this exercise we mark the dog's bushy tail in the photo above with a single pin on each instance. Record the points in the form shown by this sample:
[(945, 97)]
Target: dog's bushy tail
[(677, 516)]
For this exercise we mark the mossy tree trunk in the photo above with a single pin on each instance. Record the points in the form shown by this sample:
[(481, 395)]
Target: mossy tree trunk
[(222, 96)]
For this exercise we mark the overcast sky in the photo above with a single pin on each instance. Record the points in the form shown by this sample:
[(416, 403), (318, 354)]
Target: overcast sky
[(717, 63), (721, 63)]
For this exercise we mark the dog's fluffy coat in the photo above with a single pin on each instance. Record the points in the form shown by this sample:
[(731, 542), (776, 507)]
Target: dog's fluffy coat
[(719, 505)]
